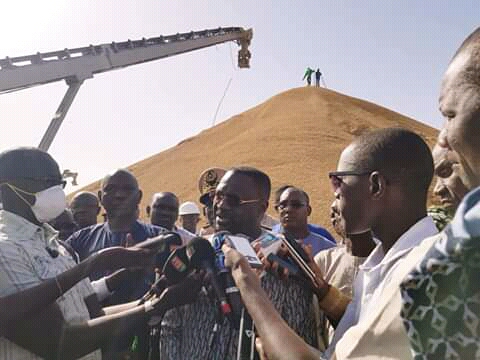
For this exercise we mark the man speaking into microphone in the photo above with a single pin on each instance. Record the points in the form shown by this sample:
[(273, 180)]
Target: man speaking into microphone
[(198, 330)]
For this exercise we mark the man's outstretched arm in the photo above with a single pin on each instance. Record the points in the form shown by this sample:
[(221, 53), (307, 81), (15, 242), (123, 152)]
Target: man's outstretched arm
[(38, 297), (279, 341)]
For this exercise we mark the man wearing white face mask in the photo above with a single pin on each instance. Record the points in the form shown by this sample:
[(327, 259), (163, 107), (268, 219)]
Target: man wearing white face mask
[(30, 255)]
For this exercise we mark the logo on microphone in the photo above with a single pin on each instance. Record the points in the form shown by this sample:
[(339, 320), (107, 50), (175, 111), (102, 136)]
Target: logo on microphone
[(178, 264)]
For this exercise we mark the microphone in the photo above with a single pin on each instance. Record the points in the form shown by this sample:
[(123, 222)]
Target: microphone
[(175, 269), (162, 243), (231, 289), (177, 266), (202, 256)]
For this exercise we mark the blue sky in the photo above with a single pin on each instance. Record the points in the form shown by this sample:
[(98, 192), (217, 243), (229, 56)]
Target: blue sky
[(392, 53)]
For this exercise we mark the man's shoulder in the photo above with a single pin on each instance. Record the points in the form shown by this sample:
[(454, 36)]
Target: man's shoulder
[(150, 229), (383, 324), (87, 233), (335, 253), (317, 229)]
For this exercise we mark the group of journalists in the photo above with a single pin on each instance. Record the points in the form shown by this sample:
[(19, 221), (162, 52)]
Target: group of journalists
[(401, 281)]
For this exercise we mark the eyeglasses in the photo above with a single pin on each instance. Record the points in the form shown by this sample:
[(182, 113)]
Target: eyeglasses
[(231, 200), (50, 181), (336, 177), (293, 204)]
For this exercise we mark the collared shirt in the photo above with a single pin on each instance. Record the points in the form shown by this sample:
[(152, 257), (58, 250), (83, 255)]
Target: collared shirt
[(97, 237), (339, 269), (25, 262), (374, 274)]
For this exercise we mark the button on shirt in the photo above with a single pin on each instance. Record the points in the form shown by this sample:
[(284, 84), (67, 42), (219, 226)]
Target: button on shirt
[(25, 262), (373, 276)]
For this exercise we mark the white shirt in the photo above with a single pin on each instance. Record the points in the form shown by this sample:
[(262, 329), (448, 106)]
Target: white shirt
[(25, 262), (374, 273)]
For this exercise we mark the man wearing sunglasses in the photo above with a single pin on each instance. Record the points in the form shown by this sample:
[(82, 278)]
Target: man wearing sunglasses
[(294, 209), (240, 201), (381, 184)]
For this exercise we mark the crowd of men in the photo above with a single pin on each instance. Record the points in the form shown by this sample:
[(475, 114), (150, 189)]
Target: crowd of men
[(400, 281)]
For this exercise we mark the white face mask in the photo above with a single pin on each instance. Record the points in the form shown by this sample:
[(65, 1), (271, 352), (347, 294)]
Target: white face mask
[(49, 203)]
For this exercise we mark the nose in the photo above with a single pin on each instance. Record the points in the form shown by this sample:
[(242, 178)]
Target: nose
[(442, 137), (439, 187)]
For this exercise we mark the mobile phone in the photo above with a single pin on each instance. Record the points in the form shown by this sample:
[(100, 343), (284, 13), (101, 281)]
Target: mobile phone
[(243, 246), (292, 268), (299, 256), (270, 244)]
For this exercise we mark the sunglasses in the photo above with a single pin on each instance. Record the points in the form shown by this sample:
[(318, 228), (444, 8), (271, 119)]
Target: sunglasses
[(292, 204), (336, 177), (231, 200)]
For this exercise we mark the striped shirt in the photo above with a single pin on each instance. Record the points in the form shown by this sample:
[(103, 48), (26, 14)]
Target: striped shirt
[(25, 262)]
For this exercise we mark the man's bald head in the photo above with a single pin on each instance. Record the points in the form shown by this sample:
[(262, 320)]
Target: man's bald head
[(84, 198), (163, 210), (460, 106), (400, 155), (467, 58), (123, 174), (85, 208)]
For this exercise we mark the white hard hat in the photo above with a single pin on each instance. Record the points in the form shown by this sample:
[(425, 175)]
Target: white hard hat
[(187, 208)]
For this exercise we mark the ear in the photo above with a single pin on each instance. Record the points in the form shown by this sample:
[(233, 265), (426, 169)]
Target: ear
[(309, 210), (264, 206), (140, 194), (148, 208), (378, 185), (99, 193)]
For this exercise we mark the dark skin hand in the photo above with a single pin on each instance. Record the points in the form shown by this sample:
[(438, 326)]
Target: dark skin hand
[(73, 340), (30, 301)]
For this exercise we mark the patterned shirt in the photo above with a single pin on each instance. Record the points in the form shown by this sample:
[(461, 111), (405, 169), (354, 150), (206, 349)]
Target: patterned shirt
[(25, 262), (440, 215), (186, 332), (441, 296)]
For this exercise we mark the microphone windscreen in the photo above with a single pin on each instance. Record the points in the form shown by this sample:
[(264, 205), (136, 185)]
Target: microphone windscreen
[(200, 252), (162, 244), (176, 267)]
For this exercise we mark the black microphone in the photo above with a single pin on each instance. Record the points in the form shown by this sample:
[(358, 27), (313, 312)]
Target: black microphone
[(177, 266), (175, 269), (162, 243), (202, 256)]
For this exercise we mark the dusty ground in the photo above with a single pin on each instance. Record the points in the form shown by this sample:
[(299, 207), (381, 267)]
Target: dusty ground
[(295, 137)]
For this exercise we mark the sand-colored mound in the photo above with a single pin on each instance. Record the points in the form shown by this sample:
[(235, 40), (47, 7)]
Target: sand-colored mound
[(295, 137)]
